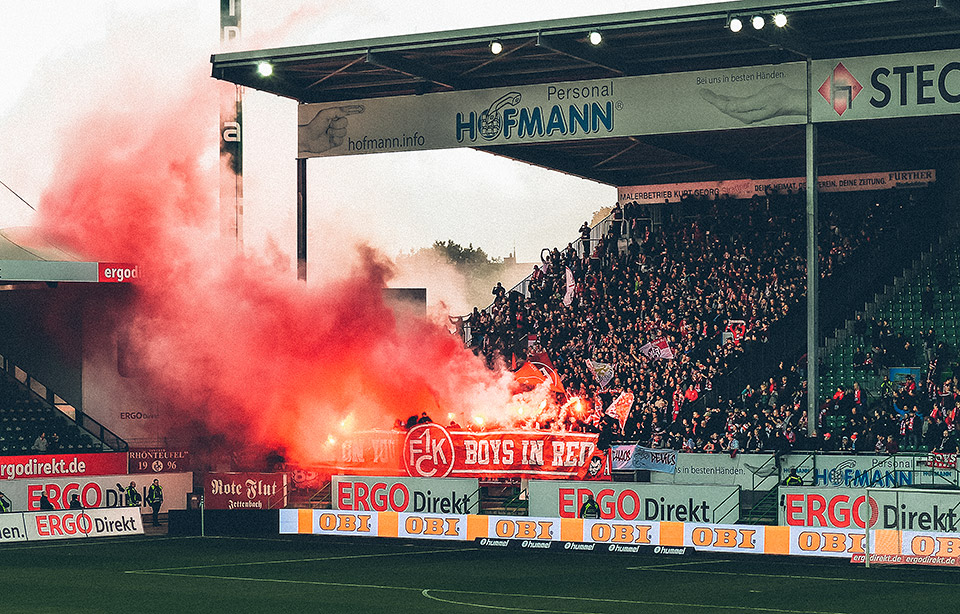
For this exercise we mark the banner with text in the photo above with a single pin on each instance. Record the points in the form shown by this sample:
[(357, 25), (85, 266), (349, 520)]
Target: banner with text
[(636, 458), (843, 508), (748, 471), (431, 495), (635, 501), (94, 491), (626, 106), (231, 491), (874, 471), (61, 465), (916, 547), (882, 86), (72, 524), (748, 188)]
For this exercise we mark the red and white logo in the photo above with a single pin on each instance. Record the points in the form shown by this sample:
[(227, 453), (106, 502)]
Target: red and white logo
[(428, 451), (113, 272), (840, 89)]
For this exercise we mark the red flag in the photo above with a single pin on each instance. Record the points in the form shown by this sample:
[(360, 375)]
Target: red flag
[(620, 408), (542, 362)]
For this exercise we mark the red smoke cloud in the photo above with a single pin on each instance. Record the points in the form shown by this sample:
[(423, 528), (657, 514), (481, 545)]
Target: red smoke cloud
[(233, 349)]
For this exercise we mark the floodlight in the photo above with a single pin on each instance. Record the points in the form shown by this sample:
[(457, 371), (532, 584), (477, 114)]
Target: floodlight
[(757, 22), (595, 38), (736, 25), (779, 20), (265, 69), (496, 47)]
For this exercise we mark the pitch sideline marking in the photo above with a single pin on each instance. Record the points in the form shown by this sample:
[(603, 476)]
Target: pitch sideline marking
[(307, 560), (793, 577), (681, 564), (486, 594)]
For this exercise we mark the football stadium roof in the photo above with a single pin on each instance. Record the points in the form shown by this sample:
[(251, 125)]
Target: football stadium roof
[(663, 41)]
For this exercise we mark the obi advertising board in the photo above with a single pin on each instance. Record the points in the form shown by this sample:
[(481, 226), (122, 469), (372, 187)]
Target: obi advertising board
[(431, 495), (928, 547), (748, 471), (104, 491), (231, 491), (433, 451), (898, 509), (36, 466), (70, 524), (632, 501)]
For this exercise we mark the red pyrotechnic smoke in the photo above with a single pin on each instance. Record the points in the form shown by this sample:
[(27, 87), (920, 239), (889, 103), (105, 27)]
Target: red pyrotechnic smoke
[(233, 348)]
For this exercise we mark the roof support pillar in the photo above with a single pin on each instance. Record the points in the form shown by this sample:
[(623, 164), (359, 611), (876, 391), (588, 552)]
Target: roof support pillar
[(813, 268), (302, 219)]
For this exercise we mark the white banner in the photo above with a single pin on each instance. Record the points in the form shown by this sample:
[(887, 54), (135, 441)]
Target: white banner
[(95, 491), (83, 523), (627, 106), (748, 471), (429, 495), (748, 188), (636, 501), (633, 458), (12, 529), (847, 508), (874, 87)]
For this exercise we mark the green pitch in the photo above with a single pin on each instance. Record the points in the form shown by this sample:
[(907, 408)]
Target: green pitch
[(364, 576)]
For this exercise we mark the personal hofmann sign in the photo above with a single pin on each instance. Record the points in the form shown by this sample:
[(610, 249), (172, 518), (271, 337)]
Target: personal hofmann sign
[(627, 106)]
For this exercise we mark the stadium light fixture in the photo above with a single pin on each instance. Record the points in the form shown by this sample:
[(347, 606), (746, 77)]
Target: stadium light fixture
[(757, 22), (496, 47), (735, 24), (265, 69), (780, 20), (595, 38)]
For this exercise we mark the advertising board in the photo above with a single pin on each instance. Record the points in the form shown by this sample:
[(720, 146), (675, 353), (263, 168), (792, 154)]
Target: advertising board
[(416, 495), (625, 106), (896, 509), (874, 471), (69, 524), (881, 86), (12, 529), (61, 465), (633, 501), (230, 491), (94, 491), (748, 471)]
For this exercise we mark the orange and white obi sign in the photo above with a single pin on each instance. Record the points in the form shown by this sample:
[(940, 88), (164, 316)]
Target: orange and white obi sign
[(918, 547)]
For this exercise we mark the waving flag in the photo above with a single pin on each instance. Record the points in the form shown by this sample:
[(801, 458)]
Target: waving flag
[(571, 286), (602, 372), (620, 408), (657, 350)]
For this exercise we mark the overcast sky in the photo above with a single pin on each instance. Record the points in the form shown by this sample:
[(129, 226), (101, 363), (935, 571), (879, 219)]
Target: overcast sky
[(62, 59)]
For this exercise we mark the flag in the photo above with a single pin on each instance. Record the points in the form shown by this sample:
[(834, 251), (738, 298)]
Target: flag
[(620, 408), (529, 375), (571, 286), (656, 350), (602, 372), (542, 362)]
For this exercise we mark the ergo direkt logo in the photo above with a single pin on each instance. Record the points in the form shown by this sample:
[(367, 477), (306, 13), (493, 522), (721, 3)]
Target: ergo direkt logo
[(116, 272)]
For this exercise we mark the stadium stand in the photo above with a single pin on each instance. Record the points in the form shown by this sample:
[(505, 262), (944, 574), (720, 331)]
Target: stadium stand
[(718, 280), (31, 425)]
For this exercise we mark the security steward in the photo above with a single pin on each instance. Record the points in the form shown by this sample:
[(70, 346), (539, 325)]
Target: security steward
[(5, 505), (133, 497), (793, 479), (590, 508), (155, 500)]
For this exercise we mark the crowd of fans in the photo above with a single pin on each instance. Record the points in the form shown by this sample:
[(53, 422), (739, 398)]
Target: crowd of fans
[(698, 267)]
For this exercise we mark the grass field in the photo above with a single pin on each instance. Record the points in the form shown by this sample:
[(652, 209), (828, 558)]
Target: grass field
[(363, 576)]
